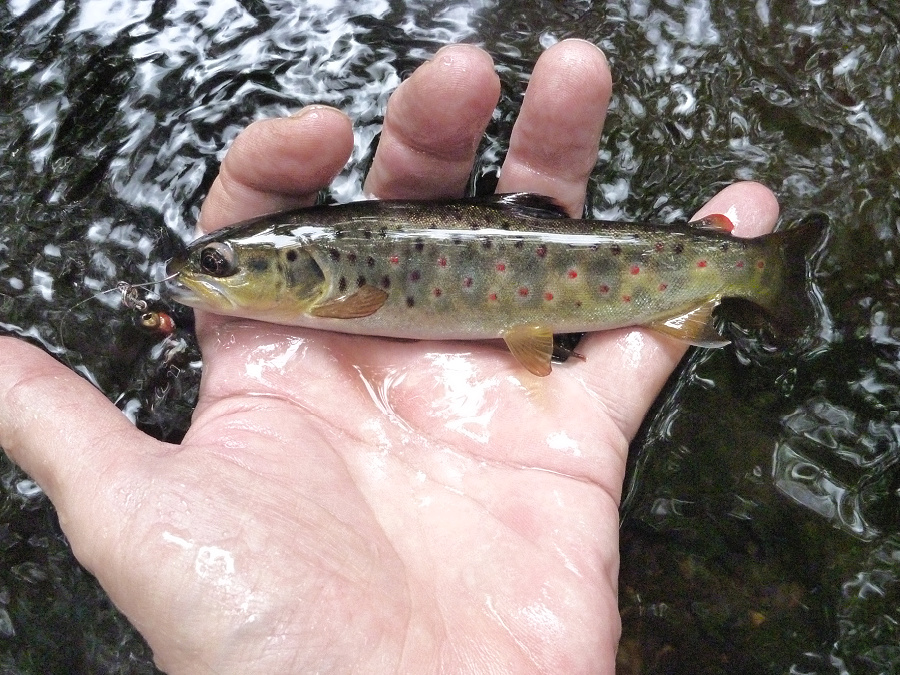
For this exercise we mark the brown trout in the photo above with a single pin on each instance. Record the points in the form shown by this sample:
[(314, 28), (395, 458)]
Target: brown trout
[(509, 266)]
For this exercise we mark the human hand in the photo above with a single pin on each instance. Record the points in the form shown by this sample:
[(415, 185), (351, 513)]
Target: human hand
[(345, 503)]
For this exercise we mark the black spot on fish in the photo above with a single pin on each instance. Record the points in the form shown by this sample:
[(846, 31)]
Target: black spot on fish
[(615, 249), (351, 257), (420, 245), (342, 284), (367, 234), (334, 253), (594, 247), (385, 281), (415, 275), (678, 248), (456, 240), (520, 243), (724, 246), (383, 231), (291, 255), (259, 265), (360, 281), (410, 301), (486, 242), (370, 261), (339, 234)]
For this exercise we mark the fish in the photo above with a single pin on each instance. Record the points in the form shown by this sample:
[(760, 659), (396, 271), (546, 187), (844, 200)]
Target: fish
[(511, 266)]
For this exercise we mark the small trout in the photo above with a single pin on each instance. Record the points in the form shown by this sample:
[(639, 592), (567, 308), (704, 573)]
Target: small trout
[(509, 266)]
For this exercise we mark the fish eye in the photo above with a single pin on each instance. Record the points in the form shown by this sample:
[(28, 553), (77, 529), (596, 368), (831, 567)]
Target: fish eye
[(217, 260)]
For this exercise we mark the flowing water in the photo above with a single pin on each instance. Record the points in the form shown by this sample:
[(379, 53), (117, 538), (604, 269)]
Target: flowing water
[(761, 526)]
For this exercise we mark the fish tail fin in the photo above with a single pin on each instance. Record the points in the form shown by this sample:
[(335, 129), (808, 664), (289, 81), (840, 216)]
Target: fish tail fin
[(795, 304)]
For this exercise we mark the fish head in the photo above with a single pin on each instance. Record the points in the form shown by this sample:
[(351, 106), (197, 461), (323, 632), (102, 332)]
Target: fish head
[(253, 277)]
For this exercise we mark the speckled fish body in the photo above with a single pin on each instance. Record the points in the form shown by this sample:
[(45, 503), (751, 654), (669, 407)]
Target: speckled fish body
[(510, 266)]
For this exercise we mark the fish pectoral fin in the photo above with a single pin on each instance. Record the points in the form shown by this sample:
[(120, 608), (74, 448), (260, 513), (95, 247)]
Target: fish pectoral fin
[(532, 346), (367, 300), (693, 324)]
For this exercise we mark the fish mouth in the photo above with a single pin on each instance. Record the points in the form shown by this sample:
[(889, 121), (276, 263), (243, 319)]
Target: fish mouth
[(197, 293)]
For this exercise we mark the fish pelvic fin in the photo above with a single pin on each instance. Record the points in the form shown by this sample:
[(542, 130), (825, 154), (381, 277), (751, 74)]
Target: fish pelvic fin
[(532, 345), (796, 304), (693, 325), (367, 300)]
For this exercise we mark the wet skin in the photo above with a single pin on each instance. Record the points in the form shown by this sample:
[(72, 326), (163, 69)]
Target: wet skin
[(461, 517)]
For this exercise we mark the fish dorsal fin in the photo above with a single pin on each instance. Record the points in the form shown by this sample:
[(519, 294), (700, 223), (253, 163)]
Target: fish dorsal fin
[(527, 204), (367, 300), (692, 324), (715, 222), (532, 346)]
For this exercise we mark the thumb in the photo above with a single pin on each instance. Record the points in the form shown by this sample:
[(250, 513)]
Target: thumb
[(61, 430)]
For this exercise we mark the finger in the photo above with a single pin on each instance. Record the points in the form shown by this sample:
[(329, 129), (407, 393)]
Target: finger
[(554, 143), (278, 164), (61, 430), (434, 123), (627, 368)]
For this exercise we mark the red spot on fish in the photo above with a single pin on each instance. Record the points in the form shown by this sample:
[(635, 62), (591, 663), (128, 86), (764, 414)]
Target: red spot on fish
[(626, 298), (635, 269), (442, 262), (760, 264), (604, 288), (548, 296), (702, 263), (492, 297), (541, 251), (523, 291), (467, 282), (573, 274), (659, 246), (501, 267), (437, 292), (394, 260), (663, 287), (740, 264)]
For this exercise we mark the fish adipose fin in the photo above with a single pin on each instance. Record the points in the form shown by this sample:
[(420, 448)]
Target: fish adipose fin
[(367, 300), (716, 222), (532, 346), (693, 325)]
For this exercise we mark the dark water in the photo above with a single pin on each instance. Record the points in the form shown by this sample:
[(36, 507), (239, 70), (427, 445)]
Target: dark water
[(761, 529)]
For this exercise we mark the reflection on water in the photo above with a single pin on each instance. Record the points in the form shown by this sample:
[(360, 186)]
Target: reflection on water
[(773, 522)]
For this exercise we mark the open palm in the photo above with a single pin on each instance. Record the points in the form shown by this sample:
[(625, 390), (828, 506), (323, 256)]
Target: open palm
[(352, 504)]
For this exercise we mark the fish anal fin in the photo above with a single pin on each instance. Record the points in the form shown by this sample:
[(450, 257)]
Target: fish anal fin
[(716, 222), (693, 325), (532, 345), (367, 300)]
